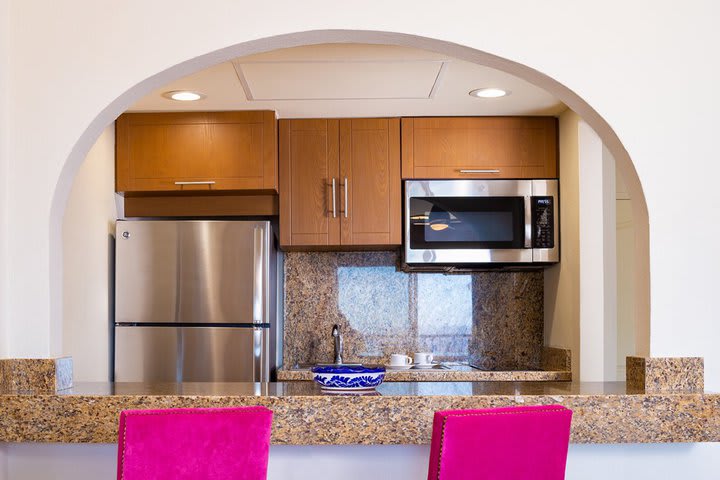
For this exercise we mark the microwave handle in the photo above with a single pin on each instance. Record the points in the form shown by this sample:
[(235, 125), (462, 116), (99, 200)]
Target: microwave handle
[(528, 222)]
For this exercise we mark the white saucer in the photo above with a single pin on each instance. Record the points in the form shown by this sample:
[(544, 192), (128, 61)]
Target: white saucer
[(398, 367), (423, 365)]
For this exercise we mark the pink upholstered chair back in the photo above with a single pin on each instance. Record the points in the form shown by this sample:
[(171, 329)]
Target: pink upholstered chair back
[(190, 443), (518, 443)]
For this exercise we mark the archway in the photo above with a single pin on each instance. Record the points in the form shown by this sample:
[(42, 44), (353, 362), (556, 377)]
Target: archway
[(577, 104)]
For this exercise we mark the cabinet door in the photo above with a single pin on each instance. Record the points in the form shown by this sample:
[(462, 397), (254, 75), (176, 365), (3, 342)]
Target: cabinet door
[(370, 181), (308, 164), (479, 147), (242, 149), (155, 151), (196, 151)]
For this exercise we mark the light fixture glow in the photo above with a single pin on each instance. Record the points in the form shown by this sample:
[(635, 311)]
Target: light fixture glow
[(183, 95), (491, 92), (439, 227)]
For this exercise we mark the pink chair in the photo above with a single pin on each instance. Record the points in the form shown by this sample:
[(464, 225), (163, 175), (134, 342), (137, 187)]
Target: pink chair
[(515, 443), (194, 443)]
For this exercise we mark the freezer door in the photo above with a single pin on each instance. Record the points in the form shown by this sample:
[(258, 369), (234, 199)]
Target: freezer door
[(191, 354), (193, 272)]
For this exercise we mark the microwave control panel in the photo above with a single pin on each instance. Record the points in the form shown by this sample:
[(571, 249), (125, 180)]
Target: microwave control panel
[(543, 230)]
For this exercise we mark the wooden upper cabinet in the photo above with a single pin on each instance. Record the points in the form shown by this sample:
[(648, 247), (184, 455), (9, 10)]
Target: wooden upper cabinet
[(340, 182), (370, 181), (480, 147), (196, 151), (308, 163)]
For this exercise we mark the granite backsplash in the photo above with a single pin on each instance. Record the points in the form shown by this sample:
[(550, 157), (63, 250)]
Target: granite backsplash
[(493, 319)]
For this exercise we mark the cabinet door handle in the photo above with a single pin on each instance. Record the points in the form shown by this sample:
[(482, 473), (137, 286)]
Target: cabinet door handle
[(333, 199), (259, 273), (204, 182), (480, 171), (347, 187)]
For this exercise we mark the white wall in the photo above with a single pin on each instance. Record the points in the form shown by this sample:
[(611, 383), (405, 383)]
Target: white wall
[(625, 276), (623, 58), (562, 281), (3, 462), (87, 227), (390, 462), (609, 256), (5, 136), (598, 307), (580, 292)]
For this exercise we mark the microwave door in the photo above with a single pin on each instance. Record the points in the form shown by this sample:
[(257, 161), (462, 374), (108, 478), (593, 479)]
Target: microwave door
[(465, 222), (468, 222)]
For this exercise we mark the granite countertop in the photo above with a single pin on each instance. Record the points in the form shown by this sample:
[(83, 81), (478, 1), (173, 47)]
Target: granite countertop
[(397, 413), (454, 373)]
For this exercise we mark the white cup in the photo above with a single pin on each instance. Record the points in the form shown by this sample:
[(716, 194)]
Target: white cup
[(423, 358), (399, 360)]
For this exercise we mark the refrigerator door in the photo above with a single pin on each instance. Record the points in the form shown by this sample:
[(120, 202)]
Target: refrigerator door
[(194, 272), (191, 354)]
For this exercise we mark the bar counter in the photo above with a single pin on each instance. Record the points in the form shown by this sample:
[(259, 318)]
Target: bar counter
[(396, 413)]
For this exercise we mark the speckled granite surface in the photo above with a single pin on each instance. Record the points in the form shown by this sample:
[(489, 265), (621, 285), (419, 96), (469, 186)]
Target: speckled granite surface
[(454, 374), (556, 359), (47, 374), (492, 318), (661, 374), (398, 413)]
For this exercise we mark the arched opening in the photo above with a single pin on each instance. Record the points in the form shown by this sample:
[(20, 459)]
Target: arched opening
[(569, 98)]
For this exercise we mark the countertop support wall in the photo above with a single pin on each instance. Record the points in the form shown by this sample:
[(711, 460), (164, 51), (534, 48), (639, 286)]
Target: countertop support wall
[(398, 413)]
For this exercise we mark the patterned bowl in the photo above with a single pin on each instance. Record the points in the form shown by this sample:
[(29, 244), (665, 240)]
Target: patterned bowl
[(348, 377)]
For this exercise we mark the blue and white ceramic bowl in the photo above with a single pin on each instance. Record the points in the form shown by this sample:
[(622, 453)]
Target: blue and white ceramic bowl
[(348, 377)]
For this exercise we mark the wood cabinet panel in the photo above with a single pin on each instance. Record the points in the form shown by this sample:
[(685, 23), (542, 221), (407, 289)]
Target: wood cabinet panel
[(229, 150), (189, 205), (236, 150), (308, 163), (370, 172), (363, 157), (502, 147)]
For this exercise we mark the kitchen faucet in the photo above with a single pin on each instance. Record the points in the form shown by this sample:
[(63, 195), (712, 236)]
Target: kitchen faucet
[(337, 336)]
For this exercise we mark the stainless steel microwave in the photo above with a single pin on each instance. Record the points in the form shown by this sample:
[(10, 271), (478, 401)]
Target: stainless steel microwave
[(479, 222)]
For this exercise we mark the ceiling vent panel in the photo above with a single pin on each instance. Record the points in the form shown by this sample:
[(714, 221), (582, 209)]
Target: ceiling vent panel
[(339, 80)]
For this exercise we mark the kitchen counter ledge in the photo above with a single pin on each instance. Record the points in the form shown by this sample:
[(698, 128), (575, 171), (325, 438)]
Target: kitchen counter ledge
[(459, 373), (398, 413)]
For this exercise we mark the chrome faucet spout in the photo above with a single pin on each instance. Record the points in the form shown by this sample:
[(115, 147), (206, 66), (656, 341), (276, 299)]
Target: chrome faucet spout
[(337, 336)]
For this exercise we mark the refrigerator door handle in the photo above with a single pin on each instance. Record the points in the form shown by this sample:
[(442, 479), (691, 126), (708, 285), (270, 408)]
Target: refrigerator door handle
[(259, 280), (259, 356)]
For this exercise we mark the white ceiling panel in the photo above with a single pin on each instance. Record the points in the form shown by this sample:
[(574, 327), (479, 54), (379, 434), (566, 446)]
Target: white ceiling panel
[(339, 80)]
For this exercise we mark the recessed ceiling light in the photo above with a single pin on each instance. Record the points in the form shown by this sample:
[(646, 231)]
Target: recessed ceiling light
[(184, 95), (489, 92)]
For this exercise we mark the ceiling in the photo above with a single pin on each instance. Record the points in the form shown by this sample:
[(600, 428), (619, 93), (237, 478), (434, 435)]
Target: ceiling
[(353, 80)]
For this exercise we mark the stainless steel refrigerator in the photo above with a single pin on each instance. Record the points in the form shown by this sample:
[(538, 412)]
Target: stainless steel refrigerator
[(195, 301)]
